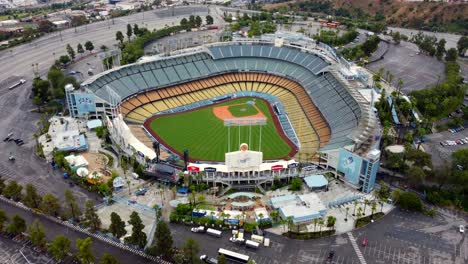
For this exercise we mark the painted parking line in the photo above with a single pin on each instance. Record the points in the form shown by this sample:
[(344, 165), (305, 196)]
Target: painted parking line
[(356, 248)]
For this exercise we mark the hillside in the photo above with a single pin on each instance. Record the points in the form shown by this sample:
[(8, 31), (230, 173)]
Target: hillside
[(452, 17)]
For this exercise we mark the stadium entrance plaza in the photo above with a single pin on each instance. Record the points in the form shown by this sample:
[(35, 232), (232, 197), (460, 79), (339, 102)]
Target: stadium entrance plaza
[(158, 194)]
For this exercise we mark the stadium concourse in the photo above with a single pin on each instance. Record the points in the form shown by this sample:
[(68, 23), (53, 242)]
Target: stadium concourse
[(313, 94)]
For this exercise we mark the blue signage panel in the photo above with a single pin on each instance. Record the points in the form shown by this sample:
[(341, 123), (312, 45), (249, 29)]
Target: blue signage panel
[(85, 103), (350, 164)]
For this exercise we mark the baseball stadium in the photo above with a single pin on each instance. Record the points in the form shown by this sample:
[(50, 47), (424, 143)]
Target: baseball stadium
[(307, 104)]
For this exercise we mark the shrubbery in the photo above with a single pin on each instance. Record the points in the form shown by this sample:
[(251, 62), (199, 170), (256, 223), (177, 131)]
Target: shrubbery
[(444, 98)]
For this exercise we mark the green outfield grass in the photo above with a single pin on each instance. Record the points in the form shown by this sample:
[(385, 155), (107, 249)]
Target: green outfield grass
[(206, 137)]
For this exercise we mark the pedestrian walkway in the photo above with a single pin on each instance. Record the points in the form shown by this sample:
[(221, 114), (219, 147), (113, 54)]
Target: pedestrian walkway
[(356, 248)]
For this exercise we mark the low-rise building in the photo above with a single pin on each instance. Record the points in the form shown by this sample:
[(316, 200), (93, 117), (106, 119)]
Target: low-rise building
[(302, 209)]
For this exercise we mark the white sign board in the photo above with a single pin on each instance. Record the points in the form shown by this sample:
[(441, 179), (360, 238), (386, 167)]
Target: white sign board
[(243, 160)]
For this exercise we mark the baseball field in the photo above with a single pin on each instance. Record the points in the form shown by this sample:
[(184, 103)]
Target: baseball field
[(203, 132)]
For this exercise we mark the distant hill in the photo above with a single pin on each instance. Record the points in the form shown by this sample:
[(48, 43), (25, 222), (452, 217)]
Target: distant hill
[(434, 16)]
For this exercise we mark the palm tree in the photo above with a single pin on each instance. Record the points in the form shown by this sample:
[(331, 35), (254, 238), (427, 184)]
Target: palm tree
[(346, 217), (260, 215), (290, 222), (355, 205), (366, 202), (331, 220), (315, 223), (382, 200), (212, 215), (399, 86), (374, 207), (321, 223), (274, 214), (359, 212)]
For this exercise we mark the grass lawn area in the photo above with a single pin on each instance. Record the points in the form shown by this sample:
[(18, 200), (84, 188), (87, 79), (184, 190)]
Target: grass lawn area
[(206, 137), (206, 207), (243, 110)]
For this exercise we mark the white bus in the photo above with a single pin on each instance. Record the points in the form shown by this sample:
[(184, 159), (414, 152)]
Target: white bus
[(213, 232), (252, 244), (20, 82), (233, 256)]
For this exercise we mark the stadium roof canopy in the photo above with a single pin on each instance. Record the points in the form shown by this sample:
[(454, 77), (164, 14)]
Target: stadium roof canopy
[(315, 181)]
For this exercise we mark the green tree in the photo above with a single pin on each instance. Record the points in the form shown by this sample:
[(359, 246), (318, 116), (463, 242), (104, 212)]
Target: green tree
[(91, 216), (119, 36), (13, 190), (89, 46), (50, 205), (440, 49), (59, 247), (136, 30), (191, 251), (138, 237), (416, 176), (129, 31), (410, 201), (117, 226), (85, 253), (192, 21), (451, 55), (397, 37), (72, 208), (71, 52), (80, 49), (296, 184), (36, 234), (462, 45), (3, 219), (331, 221), (184, 23), (108, 259), (198, 21), (64, 60), (32, 199), (16, 226), (460, 157), (163, 240), (2, 184), (222, 259), (209, 20)]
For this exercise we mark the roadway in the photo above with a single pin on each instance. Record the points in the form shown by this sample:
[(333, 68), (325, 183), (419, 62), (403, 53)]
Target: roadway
[(16, 109), (54, 229)]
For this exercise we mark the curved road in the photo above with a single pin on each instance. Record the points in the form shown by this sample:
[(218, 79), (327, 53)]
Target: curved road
[(16, 106), (398, 238)]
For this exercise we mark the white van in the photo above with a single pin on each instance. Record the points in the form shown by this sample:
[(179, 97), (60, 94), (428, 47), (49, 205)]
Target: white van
[(252, 244), (135, 176), (256, 238)]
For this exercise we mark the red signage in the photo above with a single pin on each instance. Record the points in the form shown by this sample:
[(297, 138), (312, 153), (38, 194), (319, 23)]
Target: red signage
[(277, 167), (193, 169)]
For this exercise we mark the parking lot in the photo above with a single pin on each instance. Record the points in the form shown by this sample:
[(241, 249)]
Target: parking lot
[(443, 154), (416, 71), (12, 252), (399, 237)]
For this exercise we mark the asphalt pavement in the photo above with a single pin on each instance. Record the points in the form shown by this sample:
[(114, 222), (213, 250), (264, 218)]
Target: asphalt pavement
[(54, 229), (16, 109)]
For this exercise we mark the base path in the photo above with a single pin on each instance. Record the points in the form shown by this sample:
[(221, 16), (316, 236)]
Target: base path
[(222, 112)]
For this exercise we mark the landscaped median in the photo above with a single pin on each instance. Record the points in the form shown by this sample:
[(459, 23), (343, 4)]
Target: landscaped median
[(360, 222), (309, 235)]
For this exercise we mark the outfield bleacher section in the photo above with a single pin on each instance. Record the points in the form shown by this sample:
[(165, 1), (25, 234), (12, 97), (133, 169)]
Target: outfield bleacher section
[(287, 73)]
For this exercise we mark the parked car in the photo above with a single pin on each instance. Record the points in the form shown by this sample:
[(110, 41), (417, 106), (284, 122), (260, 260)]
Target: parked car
[(209, 260), (462, 229), (199, 229), (364, 242), (141, 191), (237, 240)]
